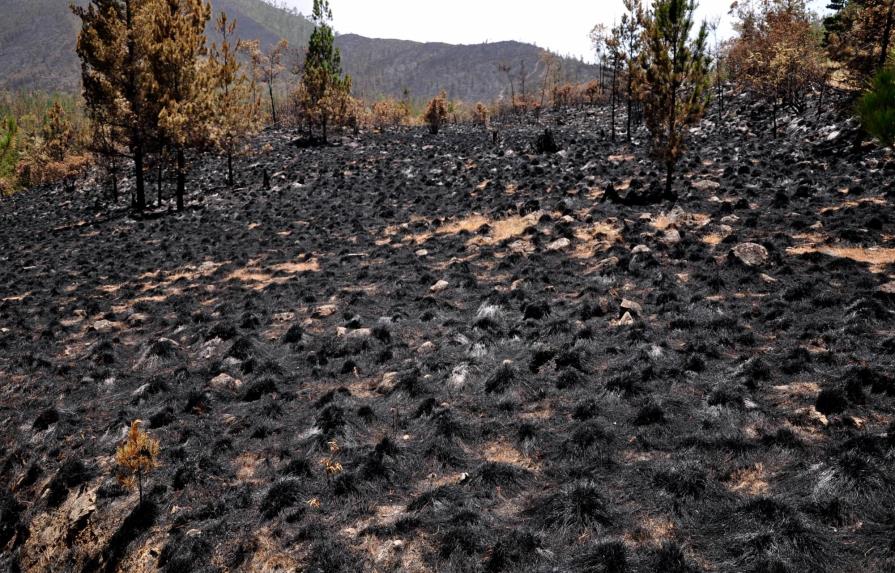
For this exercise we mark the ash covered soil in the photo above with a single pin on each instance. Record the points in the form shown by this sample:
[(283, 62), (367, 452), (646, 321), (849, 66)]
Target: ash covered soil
[(501, 371)]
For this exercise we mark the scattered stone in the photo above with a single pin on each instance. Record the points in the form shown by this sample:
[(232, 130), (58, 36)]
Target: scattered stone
[(422, 253), (629, 305), (356, 334), (440, 286), (888, 288), (559, 244), (388, 382), (640, 250), (626, 320), (671, 236), (104, 326), (225, 382), (137, 319), (325, 311), (284, 317), (750, 254), (426, 348)]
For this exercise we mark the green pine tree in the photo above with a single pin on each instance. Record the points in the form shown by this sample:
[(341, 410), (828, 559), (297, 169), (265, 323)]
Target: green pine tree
[(876, 108), (675, 85), (323, 81)]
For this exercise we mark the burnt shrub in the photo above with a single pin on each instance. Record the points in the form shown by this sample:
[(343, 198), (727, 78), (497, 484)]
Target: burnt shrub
[(576, 507), (258, 389), (282, 495), (606, 557), (831, 401)]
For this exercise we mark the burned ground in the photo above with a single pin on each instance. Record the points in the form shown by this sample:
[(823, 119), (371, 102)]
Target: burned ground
[(420, 353)]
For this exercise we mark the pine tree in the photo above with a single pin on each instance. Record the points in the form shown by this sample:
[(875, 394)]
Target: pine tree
[(58, 136), (136, 457), (322, 80), (876, 108), (675, 84), (173, 40), (235, 108), (114, 79)]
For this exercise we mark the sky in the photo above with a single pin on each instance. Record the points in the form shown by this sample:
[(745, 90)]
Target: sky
[(561, 26)]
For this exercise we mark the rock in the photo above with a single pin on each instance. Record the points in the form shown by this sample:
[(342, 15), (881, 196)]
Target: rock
[(357, 334), (626, 320), (225, 382), (607, 264), (559, 244), (104, 325), (387, 384), (730, 220), (325, 310), (440, 286), (671, 237), (750, 254), (632, 307), (422, 253), (888, 288), (137, 319), (426, 348), (284, 317), (640, 250)]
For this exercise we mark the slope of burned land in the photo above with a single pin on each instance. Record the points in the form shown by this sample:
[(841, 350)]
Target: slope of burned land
[(510, 373)]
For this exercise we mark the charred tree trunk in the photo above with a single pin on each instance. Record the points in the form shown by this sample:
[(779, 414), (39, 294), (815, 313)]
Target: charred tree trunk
[(133, 97), (887, 31), (113, 173), (159, 180), (273, 107), (181, 178), (140, 201), (230, 168)]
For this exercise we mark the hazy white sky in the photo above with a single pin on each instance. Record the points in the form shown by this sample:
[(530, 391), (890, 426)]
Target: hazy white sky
[(559, 25)]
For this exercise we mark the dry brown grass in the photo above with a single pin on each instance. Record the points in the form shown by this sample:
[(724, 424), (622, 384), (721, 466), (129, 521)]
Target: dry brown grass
[(876, 257), (260, 277), (598, 237), (750, 481)]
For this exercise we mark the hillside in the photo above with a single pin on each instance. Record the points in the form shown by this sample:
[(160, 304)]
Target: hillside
[(37, 40), (468, 73)]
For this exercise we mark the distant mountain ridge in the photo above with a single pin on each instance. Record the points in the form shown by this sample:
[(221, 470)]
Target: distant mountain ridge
[(37, 42)]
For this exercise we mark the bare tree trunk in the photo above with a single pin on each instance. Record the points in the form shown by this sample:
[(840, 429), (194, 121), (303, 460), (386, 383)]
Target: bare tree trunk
[(230, 168), (158, 180)]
